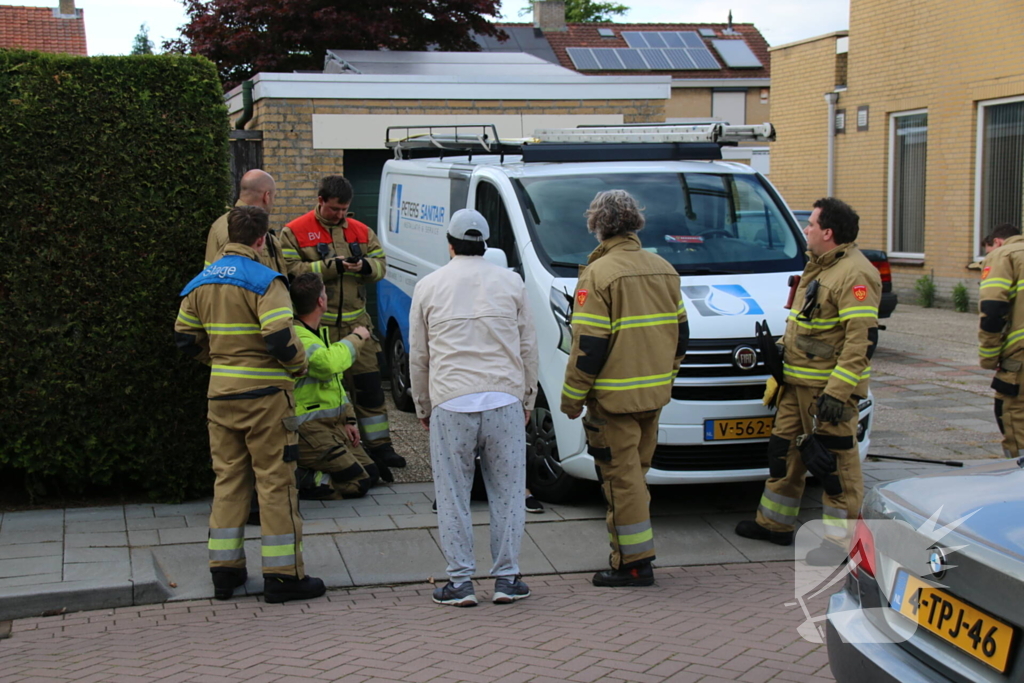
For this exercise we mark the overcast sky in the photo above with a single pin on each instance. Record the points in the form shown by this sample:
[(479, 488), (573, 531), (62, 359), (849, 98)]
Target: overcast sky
[(111, 25)]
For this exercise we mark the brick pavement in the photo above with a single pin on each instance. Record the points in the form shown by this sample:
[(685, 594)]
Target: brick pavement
[(707, 623)]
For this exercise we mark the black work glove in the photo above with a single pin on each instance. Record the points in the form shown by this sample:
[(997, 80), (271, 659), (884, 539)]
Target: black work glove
[(830, 409)]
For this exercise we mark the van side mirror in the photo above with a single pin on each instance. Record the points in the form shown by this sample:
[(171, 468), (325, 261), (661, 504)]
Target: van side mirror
[(496, 256)]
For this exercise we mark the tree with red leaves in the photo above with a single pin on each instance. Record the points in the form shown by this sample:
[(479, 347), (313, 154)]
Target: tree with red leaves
[(245, 37)]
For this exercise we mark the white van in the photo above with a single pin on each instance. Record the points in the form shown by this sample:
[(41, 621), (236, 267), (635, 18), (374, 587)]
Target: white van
[(721, 224)]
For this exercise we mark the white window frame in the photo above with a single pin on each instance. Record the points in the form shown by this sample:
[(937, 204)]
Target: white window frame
[(979, 151), (891, 209)]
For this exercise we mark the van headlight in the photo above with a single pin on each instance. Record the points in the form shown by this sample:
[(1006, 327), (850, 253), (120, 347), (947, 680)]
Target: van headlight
[(560, 309)]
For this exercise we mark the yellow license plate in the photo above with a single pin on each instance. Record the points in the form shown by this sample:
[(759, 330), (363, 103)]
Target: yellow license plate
[(965, 627), (750, 428)]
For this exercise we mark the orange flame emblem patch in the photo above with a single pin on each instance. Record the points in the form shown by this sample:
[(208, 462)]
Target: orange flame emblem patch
[(861, 292), (581, 297), (984, 273)]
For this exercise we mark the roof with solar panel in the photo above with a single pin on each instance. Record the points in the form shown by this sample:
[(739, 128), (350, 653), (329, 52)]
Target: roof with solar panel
[(716, 51)]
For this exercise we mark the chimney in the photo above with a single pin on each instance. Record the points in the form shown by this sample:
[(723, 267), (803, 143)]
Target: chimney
[(549, 15), (67, 8)]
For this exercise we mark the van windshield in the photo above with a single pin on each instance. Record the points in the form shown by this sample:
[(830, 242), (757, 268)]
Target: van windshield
[(702, 223)]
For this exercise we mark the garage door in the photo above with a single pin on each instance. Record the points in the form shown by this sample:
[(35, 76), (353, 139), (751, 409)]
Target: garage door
[(363, 168)]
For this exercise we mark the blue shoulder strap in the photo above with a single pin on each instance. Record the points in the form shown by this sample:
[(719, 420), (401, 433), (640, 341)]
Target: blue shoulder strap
[(235, 270)]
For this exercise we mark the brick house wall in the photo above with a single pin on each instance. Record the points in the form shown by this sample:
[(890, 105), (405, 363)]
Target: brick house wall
[(904, 55), (289, 154)]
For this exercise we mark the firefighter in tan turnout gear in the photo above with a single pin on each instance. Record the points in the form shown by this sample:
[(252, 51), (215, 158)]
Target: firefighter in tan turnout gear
[(257, 188), (332, 463), (1001, 333), (236, 317), (630, 334), (831, 334), (347, 255)]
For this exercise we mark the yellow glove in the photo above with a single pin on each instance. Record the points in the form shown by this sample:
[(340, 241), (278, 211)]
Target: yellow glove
[(772, 393)]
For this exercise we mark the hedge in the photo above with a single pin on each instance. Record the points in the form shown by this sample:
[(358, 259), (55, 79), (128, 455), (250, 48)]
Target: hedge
[(112, 170)]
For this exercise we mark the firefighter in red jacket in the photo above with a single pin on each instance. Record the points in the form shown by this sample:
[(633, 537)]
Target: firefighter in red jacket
[(347, 255)]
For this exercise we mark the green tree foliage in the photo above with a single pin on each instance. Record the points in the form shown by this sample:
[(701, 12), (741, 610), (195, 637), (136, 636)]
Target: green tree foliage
[(113, 169), (586, 11), (142, 45), (245, 37)]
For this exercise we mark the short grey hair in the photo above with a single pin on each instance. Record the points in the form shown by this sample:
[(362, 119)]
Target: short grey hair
[(613, 213)]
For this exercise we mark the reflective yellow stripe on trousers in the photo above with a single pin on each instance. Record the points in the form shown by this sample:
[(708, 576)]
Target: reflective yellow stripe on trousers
[(778, 508), (279, 551), (634, 539), (227, 545)]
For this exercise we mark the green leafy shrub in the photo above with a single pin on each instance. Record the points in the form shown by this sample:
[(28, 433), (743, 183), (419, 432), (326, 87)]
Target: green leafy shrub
[(960, 299), (112, 170), (925, 287)]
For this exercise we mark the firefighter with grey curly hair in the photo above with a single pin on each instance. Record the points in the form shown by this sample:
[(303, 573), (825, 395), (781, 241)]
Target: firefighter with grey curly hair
[(626, 299)]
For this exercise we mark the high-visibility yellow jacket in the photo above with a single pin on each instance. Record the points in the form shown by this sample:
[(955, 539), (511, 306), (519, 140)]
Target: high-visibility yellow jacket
[(218, 239), (236, 317), (320, 394), (629, 330), (831, 347), (1001, 333), (346, 294)]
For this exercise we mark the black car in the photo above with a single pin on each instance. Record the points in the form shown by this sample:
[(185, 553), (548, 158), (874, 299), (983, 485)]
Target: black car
[(879, 259)]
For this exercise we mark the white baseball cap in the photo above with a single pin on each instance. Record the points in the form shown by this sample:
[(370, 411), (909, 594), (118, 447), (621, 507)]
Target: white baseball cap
[(465, 220)]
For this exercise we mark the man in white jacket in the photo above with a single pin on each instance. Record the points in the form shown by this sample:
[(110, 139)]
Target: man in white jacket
[(473, 365)]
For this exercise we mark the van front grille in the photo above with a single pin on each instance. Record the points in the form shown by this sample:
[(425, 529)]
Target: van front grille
[(705, 458), (714, 358)]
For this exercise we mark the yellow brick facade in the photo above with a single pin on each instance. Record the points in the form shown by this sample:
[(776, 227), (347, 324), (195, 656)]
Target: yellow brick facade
[(695, 103), (903, 55), (289, 155)]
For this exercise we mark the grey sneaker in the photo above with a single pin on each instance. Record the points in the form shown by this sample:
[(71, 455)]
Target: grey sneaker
[(510, 590), (448, 594)]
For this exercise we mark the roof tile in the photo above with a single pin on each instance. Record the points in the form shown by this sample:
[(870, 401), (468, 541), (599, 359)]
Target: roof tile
[(36, 28)]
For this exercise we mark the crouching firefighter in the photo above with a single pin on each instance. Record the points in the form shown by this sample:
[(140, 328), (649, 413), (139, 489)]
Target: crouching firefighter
[(831, 334), (349, 258), (1001, 331), (332, 463), (626, 299)]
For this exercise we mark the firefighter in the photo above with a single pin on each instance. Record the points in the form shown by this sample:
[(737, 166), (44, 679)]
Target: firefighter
[(347, 255), (236, 317), (831, 334), (257, 188), (1001, 333), (332, 463), (626, 299)]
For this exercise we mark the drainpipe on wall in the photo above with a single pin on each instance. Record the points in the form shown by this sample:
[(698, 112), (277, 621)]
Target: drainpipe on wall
[(246, 116), (831, 98)]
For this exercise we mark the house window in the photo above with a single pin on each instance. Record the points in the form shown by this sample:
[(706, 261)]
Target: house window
[(1000, 176), (908, 163)]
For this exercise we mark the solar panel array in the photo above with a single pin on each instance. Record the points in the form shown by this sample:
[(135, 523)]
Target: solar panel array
[(737, 54), (648, 51)]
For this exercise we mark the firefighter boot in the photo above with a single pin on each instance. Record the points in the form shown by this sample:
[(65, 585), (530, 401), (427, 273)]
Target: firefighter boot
[(639, 575), (385, 455), (748, 528), (281, 588), (226, 580)]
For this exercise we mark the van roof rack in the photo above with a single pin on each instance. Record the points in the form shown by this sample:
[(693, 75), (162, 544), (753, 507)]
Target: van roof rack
[(631, 142)]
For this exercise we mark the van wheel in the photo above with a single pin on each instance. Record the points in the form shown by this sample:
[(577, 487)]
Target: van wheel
[(398, 360), (544, 475)]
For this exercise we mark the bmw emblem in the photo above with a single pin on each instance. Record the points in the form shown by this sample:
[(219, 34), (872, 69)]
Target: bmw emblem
[(744, 357), (937, 562)]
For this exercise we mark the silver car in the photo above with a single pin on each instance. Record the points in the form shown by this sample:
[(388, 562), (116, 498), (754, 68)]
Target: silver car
[(937, 588)]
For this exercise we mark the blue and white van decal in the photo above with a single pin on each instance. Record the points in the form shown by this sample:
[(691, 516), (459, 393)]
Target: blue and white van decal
[(719, 300)]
